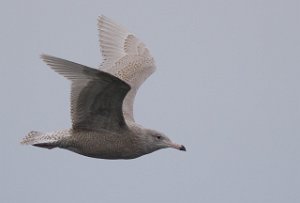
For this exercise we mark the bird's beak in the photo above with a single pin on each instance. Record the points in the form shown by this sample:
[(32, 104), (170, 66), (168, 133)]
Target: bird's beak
[(177, 146)]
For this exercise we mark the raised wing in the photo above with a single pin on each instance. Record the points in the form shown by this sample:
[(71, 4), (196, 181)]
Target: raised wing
[(96, 96), (125, 57)]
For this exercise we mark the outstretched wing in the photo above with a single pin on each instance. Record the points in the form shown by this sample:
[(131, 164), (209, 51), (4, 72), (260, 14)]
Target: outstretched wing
[(96, 96), (125, 57)]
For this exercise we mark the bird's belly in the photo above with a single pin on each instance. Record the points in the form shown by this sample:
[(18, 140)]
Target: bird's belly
[(102, 145)]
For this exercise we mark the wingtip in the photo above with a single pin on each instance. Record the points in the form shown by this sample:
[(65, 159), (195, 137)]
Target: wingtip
[(104, 21), (44, 57), (100, 18)]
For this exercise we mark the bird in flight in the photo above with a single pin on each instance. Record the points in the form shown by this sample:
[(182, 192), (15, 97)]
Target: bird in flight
[(102, 100)]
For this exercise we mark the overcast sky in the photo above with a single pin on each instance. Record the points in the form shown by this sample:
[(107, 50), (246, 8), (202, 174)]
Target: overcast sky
[(226, 86)]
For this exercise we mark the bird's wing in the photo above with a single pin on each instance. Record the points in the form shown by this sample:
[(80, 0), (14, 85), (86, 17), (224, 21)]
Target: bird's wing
[(125, 57), (96, 96)]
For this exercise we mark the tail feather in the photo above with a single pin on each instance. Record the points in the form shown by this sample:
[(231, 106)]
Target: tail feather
[(45, 145), (39, 139)]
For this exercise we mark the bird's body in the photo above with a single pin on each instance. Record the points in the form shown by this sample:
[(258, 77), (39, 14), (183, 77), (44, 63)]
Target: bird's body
[(104, 144), (102, 100)]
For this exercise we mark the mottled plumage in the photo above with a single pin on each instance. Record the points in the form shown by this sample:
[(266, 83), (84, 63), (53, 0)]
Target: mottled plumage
[(103, 125)]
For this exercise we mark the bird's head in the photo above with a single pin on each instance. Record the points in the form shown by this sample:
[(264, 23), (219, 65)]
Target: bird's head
[(157, 140)]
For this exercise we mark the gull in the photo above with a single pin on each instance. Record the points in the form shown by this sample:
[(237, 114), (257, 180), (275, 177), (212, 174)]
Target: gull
[(103, 124)]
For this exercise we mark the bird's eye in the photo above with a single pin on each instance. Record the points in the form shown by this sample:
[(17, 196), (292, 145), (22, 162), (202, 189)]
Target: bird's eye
[(158, 137)]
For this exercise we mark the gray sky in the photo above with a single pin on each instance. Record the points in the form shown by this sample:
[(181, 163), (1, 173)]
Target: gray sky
[(227, 87)]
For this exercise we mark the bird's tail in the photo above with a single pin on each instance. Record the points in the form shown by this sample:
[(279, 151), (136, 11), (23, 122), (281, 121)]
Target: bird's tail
[(40, 139)]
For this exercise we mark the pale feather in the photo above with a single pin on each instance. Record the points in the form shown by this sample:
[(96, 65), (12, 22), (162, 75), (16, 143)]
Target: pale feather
[(125, 57)]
